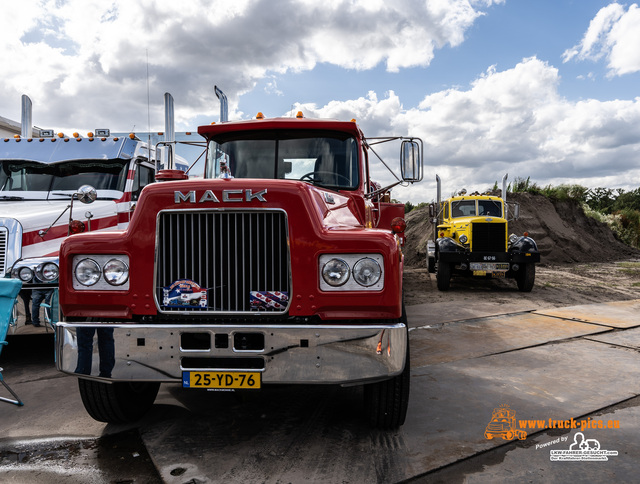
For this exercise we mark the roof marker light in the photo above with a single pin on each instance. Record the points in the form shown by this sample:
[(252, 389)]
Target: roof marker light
[(353, 120), (132, 135), (259, 116), (76, 135), (61, 135), (16, 136), (89, 134), (299, 115)]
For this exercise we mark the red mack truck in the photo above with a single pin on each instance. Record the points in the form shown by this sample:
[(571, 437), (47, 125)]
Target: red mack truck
[(270, 269), (40, 179)]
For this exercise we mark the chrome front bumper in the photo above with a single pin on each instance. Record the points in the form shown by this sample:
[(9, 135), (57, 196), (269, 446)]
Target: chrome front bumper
[(283, 354)]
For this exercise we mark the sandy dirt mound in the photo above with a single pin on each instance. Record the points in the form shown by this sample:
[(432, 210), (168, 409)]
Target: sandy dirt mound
[(563, 232)]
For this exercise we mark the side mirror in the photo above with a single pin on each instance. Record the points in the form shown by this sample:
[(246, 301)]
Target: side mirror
[(410, 161), (513, 209), (87, 194)]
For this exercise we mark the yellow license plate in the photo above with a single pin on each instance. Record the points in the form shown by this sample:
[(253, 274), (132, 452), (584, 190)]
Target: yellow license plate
[(246, 380)]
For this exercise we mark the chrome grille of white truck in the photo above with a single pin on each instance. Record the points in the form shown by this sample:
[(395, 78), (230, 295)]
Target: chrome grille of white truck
[(4, 235), (235, 256)]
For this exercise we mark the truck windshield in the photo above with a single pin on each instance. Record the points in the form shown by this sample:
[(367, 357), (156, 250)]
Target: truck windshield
[(325, 158), (489, 208), (44, 179), (463, 208)]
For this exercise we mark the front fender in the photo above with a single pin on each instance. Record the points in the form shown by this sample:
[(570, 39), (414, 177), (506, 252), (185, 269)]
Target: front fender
[(524, 244), (447, 244)]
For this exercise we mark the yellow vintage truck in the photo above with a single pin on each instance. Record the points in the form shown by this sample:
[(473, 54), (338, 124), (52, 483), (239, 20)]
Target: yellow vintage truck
[(471, 239)]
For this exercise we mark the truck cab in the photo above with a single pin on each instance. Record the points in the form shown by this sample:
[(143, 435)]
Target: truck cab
[(281, 247)]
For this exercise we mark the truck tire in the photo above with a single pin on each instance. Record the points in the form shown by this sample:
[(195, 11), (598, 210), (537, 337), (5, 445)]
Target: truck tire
[(117, 402), (386, 402), (526, 277), (443, 276)]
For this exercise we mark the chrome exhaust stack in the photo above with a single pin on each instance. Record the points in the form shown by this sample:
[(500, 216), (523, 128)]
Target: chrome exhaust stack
[(224, 107), (26, 120)]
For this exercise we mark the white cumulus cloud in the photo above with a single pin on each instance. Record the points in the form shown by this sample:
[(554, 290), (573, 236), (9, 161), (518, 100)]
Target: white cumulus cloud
[(613, 34)]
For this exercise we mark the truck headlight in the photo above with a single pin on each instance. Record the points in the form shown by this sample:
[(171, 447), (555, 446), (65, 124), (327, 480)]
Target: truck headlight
[(87, 272), (367, 272), (351, 272), (25, 274), (463, 239), (47, 272), (335, 272), (116, 272)]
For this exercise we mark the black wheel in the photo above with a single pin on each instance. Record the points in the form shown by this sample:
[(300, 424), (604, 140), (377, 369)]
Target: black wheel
[(117, 402), (386, 402), (443, 276), (526, 277)]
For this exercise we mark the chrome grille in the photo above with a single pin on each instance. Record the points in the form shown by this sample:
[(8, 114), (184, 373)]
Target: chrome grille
[(488, 237), (3, 250), (231, 254)]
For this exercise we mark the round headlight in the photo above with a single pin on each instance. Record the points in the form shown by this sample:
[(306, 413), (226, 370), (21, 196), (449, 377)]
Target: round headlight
[(367, 272), (87, 272), (48, 272), (25, 274), (115, 272), (335, 272), (463, 239)]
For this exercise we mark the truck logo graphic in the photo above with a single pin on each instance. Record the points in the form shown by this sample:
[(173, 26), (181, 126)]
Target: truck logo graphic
[(503, 424), (227, 196)]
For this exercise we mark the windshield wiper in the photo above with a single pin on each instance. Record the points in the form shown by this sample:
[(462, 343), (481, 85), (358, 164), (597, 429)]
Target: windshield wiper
[(11, 198)]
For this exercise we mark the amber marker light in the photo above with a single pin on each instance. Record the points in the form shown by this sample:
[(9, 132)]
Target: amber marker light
[(259, 116), (299, 115), (132, 135)]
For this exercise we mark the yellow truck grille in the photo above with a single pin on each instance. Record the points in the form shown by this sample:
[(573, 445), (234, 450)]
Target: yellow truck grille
[(488, 237)]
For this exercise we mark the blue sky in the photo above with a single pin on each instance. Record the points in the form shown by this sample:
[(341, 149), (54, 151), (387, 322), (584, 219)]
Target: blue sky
[(503, 36), (542, 89)]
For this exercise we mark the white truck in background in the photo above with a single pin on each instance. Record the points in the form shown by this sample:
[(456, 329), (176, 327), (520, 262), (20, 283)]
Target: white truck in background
[(41, 180)]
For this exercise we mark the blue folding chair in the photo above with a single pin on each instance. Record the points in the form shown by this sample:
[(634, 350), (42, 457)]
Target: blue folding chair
[(9, 289)]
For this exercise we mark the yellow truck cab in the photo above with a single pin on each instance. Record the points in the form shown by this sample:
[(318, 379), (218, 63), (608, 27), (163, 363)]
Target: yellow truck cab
[(471, 239)]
